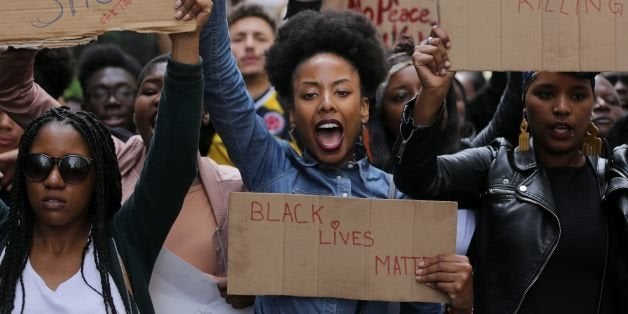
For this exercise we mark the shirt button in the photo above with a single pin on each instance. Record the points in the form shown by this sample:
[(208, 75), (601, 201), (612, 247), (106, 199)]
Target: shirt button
[(345, 194), (523, 188), (350, 166), (338, 177)]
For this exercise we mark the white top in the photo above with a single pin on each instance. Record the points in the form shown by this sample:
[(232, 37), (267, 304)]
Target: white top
[(178, 287), (72, 296), (466, 227)]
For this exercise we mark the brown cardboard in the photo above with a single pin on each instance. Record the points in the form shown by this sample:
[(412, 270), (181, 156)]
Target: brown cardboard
[(275, 249), (393, 17), (57, 23), (552, 35)]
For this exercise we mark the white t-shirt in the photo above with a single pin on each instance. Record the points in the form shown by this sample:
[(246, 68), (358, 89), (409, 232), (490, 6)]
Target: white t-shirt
[(72, 296)]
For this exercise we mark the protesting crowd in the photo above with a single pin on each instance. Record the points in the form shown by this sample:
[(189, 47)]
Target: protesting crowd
[(117, 160)]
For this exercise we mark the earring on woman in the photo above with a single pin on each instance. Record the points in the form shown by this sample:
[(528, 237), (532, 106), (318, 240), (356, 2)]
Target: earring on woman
[(591, 142), (366, 141), (524, 136)]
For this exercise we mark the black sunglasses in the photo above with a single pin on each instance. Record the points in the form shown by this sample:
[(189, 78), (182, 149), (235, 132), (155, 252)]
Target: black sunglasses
[(73, 168)]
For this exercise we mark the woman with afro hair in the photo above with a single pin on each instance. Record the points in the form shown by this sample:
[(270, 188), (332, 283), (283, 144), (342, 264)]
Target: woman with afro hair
[(67, 245), (324, 67)]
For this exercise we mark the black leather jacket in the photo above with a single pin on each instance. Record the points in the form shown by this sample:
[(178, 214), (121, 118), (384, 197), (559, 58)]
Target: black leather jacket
[(518, 228)]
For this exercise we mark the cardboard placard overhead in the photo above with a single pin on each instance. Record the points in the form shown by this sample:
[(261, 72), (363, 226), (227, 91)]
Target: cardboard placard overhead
[(393, 18), (58, 23), (316, 246), (552, 35)]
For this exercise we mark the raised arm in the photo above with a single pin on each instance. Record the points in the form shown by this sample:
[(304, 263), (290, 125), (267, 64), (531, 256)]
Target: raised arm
[(20, 96), (251, 148), (418, 171), (170, 166)]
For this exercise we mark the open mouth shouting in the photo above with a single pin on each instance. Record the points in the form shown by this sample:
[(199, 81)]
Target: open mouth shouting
[(329, 135)]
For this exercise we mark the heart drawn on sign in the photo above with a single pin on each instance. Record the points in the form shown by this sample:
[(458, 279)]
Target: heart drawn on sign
[(335, 224)]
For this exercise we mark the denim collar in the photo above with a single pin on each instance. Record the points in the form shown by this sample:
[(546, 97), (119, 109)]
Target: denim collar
[(307, 160)]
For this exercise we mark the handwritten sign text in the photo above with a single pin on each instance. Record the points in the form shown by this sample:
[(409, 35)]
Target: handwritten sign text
[(295, 244)]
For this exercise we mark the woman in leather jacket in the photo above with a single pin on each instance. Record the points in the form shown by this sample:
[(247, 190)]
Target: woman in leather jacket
[(551, 233)]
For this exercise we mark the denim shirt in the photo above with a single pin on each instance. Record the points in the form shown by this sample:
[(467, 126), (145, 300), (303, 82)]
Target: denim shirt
[(270, 165)]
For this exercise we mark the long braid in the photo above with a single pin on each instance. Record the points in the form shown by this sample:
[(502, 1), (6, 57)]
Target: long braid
[(19, 226), (104, 204)]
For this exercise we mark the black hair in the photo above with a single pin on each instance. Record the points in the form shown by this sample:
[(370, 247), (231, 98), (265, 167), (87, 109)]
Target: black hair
[(451, 136), (207, 132), (382, 138), (476, 78), (104, 204), (150, 65), (54, 70), (244, 10), (98, 56), (618, 133), (347, 34)]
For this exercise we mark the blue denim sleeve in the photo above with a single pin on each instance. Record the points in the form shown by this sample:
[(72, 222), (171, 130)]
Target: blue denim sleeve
[(253, 150)]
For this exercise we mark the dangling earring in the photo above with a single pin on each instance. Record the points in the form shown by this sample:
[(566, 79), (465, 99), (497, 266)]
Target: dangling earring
[(294, 143), (366, 141), (524, 136), (591, 142)]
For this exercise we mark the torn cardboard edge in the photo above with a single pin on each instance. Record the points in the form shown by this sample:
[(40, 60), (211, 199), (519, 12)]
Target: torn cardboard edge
[(46, 23), (92, 36)]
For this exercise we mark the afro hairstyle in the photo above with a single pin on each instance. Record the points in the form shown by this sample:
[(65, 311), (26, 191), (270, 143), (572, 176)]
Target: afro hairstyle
[(347, 34), (98, 56), (54, 70)]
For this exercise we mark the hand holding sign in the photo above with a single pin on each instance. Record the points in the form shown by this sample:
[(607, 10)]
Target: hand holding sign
[(236, 301), (188, 10), (452, 274), (185, 45)]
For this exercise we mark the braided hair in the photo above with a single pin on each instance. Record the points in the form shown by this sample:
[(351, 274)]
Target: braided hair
[(104, 204)]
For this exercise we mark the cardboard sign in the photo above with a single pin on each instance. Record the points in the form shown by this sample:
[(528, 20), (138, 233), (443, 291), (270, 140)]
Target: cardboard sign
[(393, 17), (57, 23), (315, 246), (552, 35)]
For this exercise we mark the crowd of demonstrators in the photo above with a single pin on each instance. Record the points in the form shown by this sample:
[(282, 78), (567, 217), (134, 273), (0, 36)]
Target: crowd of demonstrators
[(117, 209), (552, 219), (68, 245), (252, 31), (193, 259)]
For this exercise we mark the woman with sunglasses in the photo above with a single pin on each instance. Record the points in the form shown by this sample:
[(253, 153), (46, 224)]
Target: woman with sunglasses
[(551, 234), (67, 245)]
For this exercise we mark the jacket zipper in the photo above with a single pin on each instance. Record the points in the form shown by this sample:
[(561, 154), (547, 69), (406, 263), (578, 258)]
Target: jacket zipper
[(600, 172), (499, 191), (554, 246)]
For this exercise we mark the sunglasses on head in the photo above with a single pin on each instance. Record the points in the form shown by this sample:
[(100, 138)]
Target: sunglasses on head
[(73, 168)]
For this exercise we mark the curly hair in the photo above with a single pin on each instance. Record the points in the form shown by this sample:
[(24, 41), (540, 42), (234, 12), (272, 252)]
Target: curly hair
[(104, 204), (98, 56), (54, 70), (347, 34)]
